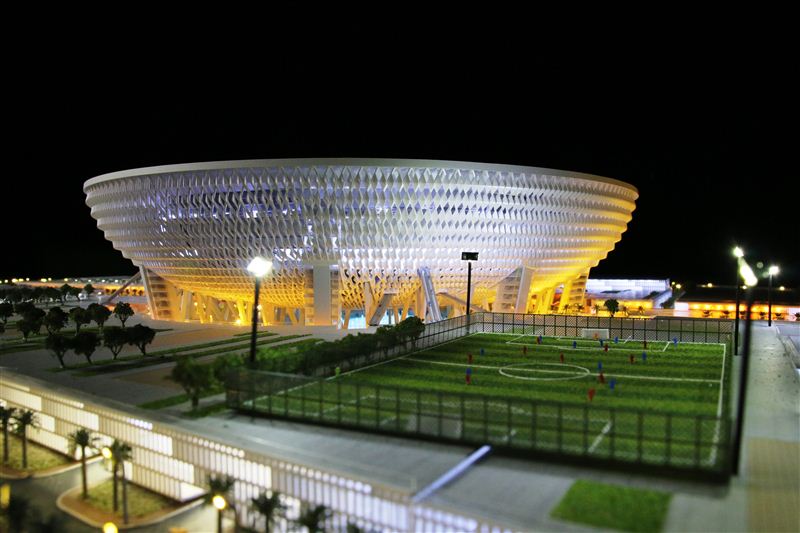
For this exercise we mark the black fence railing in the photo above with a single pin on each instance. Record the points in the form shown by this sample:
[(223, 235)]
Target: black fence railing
[(698, 443), (656, 329)]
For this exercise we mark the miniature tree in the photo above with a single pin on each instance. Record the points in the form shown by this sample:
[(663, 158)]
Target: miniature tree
[(82, 439), (123, 311), (612, 306)]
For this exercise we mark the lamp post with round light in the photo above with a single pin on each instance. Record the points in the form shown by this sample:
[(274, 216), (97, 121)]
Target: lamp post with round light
[(738, 254), (773, 270), (219, 502), (259, 267)]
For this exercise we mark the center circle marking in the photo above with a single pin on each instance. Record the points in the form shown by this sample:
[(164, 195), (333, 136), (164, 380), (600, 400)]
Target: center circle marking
[(577, 375)]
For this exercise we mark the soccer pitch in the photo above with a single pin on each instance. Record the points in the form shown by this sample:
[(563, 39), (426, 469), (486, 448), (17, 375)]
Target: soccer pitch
[(662, 404)]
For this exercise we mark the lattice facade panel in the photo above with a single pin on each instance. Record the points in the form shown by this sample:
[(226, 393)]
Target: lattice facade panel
[(198, 225)]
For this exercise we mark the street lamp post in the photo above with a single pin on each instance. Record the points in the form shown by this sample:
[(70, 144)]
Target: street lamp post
[(738, 254), (259, 267), (469, 257), (773, 270), (219, 502), (751, 281)]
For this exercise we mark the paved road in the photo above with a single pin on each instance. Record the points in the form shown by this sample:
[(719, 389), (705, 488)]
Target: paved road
[(792, 332)]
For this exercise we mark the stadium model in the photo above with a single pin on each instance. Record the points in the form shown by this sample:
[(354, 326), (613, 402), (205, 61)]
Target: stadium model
[(371, 235)]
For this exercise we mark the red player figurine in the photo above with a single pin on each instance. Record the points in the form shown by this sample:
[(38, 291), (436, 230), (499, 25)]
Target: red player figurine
[(591, 394), (524, 350), (632, 361), (562, 357), (469, 358), (605, 348), (601, 378), (469, 375)]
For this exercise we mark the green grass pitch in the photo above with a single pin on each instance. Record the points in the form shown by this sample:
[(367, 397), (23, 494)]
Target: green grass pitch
[(663, 409)]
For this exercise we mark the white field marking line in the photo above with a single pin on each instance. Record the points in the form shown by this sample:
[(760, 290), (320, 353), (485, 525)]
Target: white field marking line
[(509, 435), (626, 340), (340, 405), (631, 376), (401, 357), (566, 347), (599, 438), (712, 457)]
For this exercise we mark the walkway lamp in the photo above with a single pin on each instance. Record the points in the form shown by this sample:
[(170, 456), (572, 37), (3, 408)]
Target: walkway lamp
[(219, 502), (738, 254), (110, 527), (773, 270), (259, 267)]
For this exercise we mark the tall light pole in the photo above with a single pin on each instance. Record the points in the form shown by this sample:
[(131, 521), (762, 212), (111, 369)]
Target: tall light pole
[(220, 504), (751, 281), (773, 270), (469, 257), (259, 267), (738, 254)]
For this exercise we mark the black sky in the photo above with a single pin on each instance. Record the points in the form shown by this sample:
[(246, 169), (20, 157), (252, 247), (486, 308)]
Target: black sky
[(704, 138)]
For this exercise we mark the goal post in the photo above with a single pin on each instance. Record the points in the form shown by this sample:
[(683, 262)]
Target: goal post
[(595, 333)]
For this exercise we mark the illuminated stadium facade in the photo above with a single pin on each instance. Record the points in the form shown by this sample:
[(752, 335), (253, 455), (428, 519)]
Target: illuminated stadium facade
[(369, 235)]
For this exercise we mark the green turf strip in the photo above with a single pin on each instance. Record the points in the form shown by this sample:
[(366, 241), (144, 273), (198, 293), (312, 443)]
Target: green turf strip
[(614, 507)]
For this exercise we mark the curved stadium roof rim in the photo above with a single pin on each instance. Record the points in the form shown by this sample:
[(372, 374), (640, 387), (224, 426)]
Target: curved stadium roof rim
[(346, 161)]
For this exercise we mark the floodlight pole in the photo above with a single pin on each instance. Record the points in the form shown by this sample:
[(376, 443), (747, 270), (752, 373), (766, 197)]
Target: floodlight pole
[(469, 285), (469, 257), (769, 301), (738, 299), (255, 324), (737, 437)]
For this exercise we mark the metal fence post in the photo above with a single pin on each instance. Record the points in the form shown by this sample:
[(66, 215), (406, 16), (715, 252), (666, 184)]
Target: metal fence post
[(668, 438), (639, 427), (559, 426), (697, 441)]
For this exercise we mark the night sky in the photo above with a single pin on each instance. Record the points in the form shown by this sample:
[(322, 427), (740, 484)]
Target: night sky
[(704, 141)]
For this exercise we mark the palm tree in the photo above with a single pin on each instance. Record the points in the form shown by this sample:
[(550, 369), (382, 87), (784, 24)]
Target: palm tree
[(24, 420), (6, 414), (580, 308), (120, 452), (219, 486), (314, 518), (82, 439), (270, 507)]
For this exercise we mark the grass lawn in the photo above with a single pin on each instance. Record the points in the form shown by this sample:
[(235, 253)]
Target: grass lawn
[(614, 507), (39, 457), (164, 356), (141, 502)]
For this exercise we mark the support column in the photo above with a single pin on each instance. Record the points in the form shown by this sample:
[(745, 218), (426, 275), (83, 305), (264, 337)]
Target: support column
[(347, 318), (323, 297), (369, 301), (267, 314), (419, 304), (242, 309), (565, 295), (578, 293), (521, 305), (186, 305), (544, 300)]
